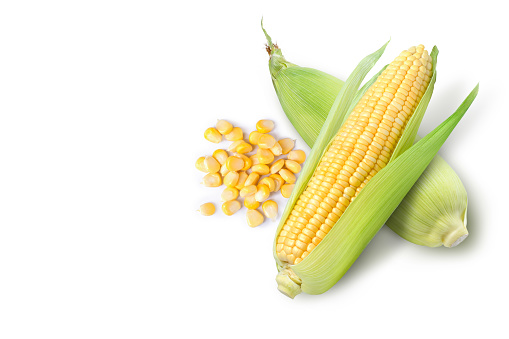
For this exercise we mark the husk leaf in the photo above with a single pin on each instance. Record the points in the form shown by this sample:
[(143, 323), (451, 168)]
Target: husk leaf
[(329, 261)]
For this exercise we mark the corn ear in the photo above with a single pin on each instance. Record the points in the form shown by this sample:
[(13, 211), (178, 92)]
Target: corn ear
[(330, 260), (420, 219)]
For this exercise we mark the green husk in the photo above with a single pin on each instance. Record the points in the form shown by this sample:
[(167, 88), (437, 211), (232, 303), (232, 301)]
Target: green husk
[(434, 212), (419, 220), (294, 84), (343, 244)]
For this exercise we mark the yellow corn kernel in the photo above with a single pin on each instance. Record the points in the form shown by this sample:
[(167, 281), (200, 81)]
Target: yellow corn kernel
[(269, 208), (297, 155), (247, 161), (250, 202), (252, 179), (242, 180), (212, 180), (276, 166), (286, 190), (233, 146), (269, 182), (264, 126), (220, 155), (211, 164), (247, 191), (265, 156), (213, 135), (200, 165), (266, 141), (223, 171), (244, 147), (288, 176), (223, 126), (254, 218), (231, 179), (261, 169), (262, 193), (229, 193), (278, 180), (292, 166), (234, 163), (207, 209), (235, 134), (254, 136), (254, 159), (277, 150), (287, 145), (231, 207)]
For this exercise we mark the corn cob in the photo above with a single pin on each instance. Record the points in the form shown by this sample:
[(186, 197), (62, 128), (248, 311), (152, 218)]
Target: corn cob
[(326, 177), (361, 148), (417, 219)]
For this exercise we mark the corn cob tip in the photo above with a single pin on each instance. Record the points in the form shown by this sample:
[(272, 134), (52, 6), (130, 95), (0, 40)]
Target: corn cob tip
[(288, 283)]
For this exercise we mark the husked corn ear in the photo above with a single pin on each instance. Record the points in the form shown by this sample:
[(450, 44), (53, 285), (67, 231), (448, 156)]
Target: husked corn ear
[(207, 209), (212, 180), (286, 190), (211, 165), (287, 145), (262, 193), (252, 179), (293, 166), (287, 176), (223, 126), (229, 193), (242, 180), (265, 156), (247, 190), (265, 126), (254, 136), (220, 155), (231, 207), (254, 218), (250, 202), (234, 163), (200, 166), (266, 141), (261, 169), (269, 208), (231, 179), (361, 148), (276, 166), (235, 134), (213, 135), (297, 156)]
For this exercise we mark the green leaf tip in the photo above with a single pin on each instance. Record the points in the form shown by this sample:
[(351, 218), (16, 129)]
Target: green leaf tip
[(267, 36)]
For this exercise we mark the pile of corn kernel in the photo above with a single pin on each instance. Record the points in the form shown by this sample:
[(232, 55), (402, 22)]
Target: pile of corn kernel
[(251, 177)]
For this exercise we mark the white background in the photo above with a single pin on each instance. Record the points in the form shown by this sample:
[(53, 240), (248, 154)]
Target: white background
[(102, 112)]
